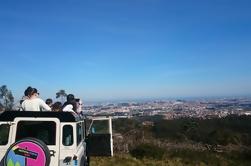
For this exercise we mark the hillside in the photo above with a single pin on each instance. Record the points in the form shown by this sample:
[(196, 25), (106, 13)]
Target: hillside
[(155, 141)]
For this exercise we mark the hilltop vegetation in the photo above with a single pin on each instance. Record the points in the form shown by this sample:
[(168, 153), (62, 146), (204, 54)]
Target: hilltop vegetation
[(225, 141), (230, 130), (177, 158), (234, 130)]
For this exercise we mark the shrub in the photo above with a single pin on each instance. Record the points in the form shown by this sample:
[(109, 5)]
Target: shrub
[(148, 151)]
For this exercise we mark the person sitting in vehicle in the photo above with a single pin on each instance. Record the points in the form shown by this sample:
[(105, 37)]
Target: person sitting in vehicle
[(79, 106), (57, 107), (33, 102), (49, 102), (70, 104)]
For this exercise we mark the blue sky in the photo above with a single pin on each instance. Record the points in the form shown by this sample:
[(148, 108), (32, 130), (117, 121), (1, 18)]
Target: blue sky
[(126, 49)]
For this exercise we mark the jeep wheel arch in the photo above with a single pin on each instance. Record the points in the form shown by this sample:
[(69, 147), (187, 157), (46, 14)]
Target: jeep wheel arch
[(27, 151)]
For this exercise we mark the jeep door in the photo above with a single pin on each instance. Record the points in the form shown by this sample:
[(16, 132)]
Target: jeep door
[(44, 129), (99, 139), (81, 145), (72, 144)]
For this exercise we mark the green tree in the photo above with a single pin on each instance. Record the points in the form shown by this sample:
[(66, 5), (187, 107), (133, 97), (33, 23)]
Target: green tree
[(7, 97), (62, 95)]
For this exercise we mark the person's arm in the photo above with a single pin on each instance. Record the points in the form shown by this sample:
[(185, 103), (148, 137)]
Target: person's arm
[(44, 106)]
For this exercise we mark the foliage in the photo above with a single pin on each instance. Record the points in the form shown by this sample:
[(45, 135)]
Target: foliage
[(127, 160), (62, 95), (1, 107), (125, 125), (147, 151), (179, 136), (179, 158), (210, 158), (230, 130), (7, 97)]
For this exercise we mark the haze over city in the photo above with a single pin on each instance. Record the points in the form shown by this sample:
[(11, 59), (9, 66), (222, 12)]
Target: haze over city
[(133, 49)]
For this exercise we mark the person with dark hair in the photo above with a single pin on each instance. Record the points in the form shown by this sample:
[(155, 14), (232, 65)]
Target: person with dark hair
[(57, 107), (70, 104), (33, 102), (49, 102), (26, 92)]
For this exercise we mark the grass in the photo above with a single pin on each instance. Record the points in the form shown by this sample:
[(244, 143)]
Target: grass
[(178, 158), (127, 160)]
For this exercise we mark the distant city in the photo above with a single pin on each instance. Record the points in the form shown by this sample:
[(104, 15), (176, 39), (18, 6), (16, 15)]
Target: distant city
[(174, 109)]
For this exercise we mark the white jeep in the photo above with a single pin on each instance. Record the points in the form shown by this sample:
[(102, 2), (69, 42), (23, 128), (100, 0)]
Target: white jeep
[(52, 138)]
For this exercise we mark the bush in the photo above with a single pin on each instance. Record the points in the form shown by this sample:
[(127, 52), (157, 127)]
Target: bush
[(224, 131), (148, 151), (125, 125)]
